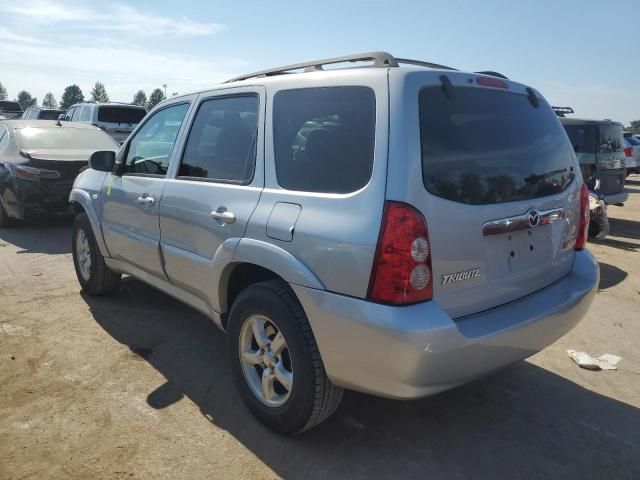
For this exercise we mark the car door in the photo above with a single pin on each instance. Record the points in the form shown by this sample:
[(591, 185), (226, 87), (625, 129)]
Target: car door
[(215, 186), (131, 195)]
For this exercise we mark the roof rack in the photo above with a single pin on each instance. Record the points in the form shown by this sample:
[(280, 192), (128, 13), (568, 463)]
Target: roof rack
[(379, 59), (562, 111)]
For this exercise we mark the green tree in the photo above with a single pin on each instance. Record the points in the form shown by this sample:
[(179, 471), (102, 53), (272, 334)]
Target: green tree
[(635, 126), (26, 100), (3, 92), (140, 99), (49, 101), (155, 98), (72, 94), (99, 93)]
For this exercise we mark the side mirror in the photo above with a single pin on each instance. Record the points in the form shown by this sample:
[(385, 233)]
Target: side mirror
[(102, 161)]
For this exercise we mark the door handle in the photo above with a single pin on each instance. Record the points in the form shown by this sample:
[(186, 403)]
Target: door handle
[(223, 216), (146, 201)]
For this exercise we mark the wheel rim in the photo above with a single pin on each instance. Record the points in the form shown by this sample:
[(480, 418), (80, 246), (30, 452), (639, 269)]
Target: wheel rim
[(266, 360), (83, 255)]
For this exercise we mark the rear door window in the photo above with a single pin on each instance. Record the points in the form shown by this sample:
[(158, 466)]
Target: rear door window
[(583, 137), (485, 146), (222, 141), (324, 138), (610, 138), (123, 114)]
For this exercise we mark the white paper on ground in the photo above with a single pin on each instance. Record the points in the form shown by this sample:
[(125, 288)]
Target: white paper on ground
[(603, 362)]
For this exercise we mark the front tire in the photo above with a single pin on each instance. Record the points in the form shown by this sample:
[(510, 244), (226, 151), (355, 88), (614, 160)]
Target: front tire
[(275, 360), (93, 274)]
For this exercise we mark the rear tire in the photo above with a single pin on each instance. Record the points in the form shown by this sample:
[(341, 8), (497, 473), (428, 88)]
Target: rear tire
[(311, 397), (93, 274)]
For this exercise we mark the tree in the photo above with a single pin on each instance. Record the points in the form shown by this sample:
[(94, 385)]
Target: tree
[(72, 94), (140, 99), (155, 98), (99, 93), (3, 92), (49, 101), (26, 100), (635, 126)]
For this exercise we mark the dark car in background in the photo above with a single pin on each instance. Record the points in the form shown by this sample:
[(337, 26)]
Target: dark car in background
[(10, 110), (117, 119), (599, 146), (41, 113), (39, 160)]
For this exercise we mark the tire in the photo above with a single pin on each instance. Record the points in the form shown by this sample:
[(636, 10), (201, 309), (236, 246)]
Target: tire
[(5, 220), (311, 398), (97, 278)]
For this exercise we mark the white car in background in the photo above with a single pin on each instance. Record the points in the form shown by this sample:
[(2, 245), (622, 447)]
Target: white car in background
[(117, 119), (631, 153)]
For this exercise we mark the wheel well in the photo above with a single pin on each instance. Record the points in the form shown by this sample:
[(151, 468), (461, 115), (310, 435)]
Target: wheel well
[(242, 276), (76, 207)]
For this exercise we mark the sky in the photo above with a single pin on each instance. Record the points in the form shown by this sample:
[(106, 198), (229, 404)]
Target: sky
[(578, 53)]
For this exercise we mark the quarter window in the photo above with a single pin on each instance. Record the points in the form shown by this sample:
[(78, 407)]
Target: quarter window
[(324, 138), (150, 149), (222, 141)]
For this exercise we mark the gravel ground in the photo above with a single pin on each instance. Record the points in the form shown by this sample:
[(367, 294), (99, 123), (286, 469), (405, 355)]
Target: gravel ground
[(137, 385)]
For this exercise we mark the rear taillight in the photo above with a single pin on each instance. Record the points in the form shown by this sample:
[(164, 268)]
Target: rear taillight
[(583, 229), (31, 173), (401, 272), (628, 152)]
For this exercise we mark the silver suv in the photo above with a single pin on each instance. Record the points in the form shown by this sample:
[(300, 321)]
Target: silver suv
[(117, 119), (393, 230)]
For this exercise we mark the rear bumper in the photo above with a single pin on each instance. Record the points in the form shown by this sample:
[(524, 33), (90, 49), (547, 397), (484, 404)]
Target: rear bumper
[(614, 198), (418, 350), (24, 198)]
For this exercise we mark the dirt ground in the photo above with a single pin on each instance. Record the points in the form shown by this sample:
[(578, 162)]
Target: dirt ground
[(137, 385)]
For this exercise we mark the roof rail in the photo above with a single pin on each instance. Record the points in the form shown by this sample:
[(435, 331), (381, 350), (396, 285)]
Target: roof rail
[(379, 59), (562, 111)]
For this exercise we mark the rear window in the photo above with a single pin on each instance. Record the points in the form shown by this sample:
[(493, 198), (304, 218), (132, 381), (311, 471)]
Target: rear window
[(64, 138), (610, 138), (324, 138), (129, 115), (486, 146), (10, 106), (50, 114), (583, 137), (632, 140)]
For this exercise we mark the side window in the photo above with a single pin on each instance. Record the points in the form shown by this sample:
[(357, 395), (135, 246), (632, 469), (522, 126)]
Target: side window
[(610, 139), (69, 114), (4, 138), (150, 149), (222, 140), (85, 114), (76, 114), (324, 138)]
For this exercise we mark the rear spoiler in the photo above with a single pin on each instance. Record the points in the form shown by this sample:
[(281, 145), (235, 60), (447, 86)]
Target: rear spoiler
[(562, 111)]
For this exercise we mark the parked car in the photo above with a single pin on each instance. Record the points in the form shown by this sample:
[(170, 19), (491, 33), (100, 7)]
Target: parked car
[(632, 153), (41, 113), (10, 110), (393, 230), (599, 147), (39, 160), (117, 119)]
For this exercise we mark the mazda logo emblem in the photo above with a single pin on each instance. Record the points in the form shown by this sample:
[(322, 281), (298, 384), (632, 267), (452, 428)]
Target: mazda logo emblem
[(534, 218)]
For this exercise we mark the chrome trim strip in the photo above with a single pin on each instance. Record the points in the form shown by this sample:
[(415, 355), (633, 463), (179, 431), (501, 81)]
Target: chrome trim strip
[(525, 221)]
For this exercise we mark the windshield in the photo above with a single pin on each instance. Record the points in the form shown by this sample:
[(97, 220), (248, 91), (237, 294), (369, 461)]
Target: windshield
[(128, 115), (50, 114), (486, 146), (35, 138)]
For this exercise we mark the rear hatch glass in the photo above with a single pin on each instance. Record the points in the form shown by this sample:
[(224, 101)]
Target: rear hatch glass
[(491, 162), (50, 114), (13, 107), (121, 114), (488, 146)]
